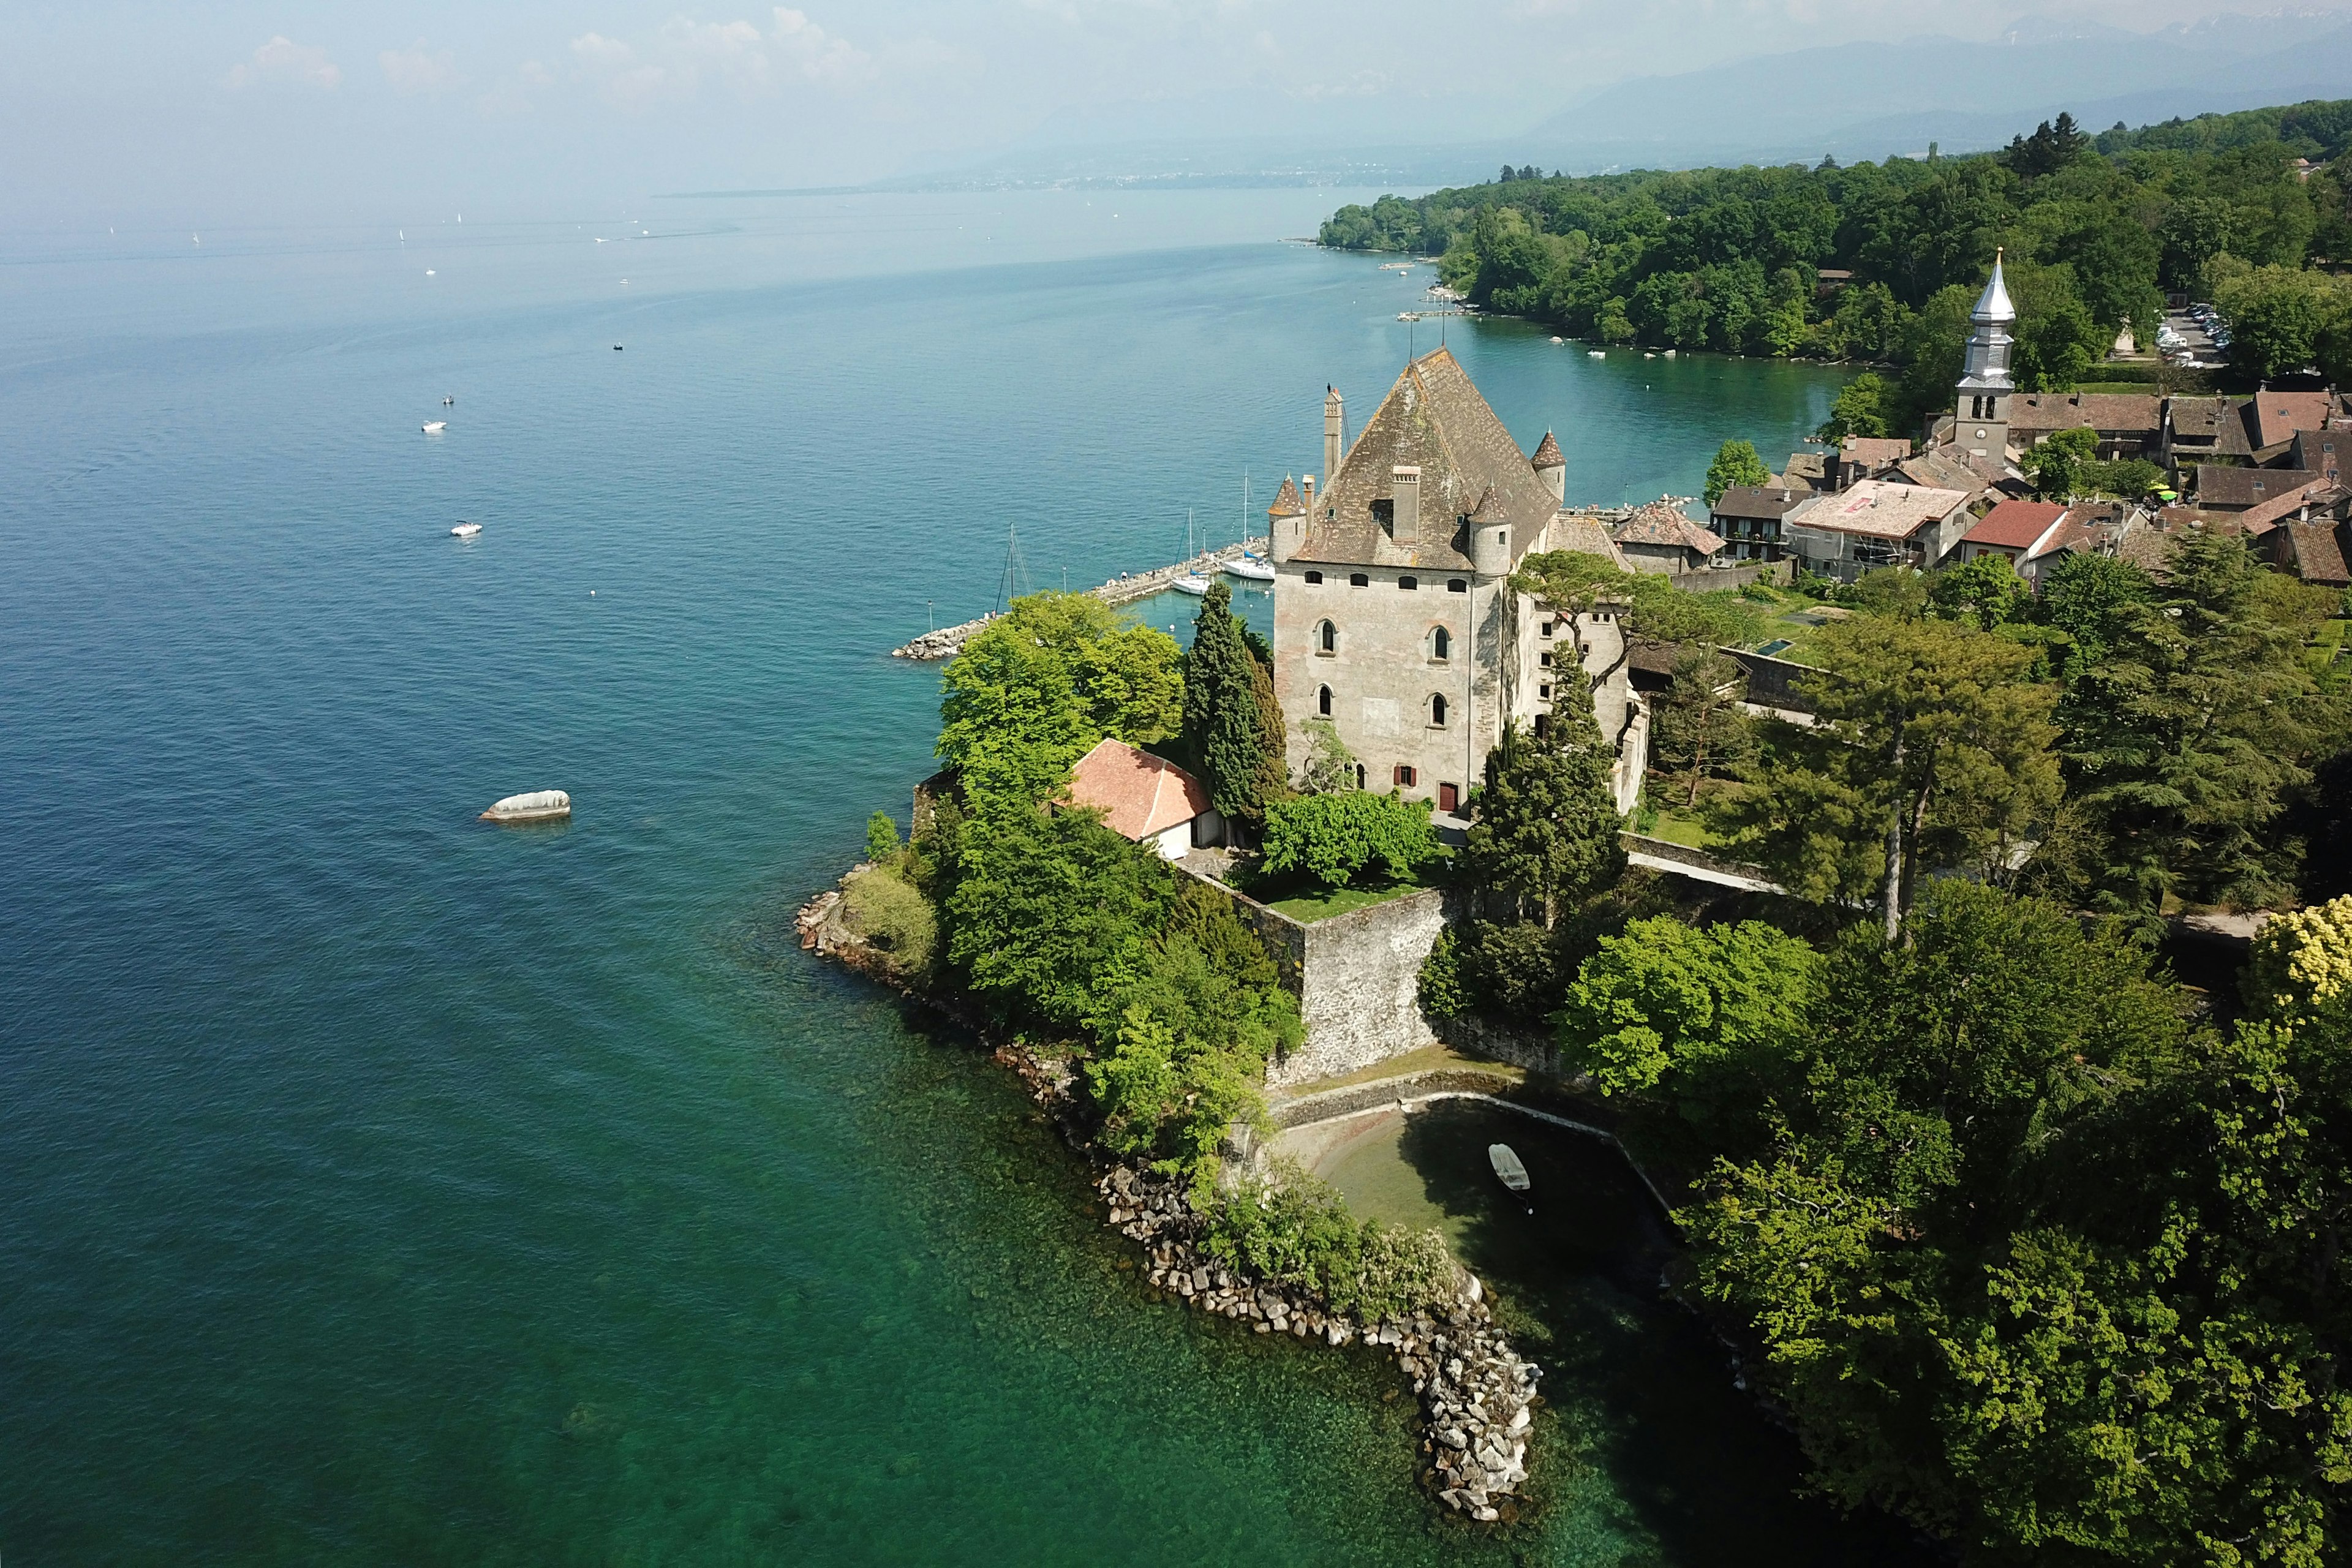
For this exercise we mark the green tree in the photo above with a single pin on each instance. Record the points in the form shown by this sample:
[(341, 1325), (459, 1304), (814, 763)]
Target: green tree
[(1546, 828), (1860, 408), (1036, 688), (2278, 316), (2056, 462), (2092, 598), (1697, 726), (1713, 1017), (1736, 463), (1932, 746), (1985, 593), (2185, 742), (1231, 730), (1054, 919), (1330, 767), (1349, 839)]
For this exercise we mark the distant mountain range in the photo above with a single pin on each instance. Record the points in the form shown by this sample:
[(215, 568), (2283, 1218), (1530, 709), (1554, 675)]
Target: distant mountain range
[(1849, 101)]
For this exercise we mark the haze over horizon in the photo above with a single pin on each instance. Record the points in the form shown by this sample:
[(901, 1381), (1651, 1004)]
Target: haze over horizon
[(249, 111)]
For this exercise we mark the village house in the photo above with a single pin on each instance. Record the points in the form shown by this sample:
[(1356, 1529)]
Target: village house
[(2129, 424), (1146, 799), (1748, 519), (2011, 530), (2224, 486), (1395, 621), (1659, 538), (1875, 524)]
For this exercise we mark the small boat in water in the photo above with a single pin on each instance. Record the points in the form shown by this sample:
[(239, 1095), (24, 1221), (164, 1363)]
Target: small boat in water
[(466, 530), (1190, 584), (1249, 566), (1596, 353), (434, 427), (539, 805), (1508, 1167)]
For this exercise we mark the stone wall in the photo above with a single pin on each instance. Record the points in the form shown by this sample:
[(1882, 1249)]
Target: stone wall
[(1357, 977)]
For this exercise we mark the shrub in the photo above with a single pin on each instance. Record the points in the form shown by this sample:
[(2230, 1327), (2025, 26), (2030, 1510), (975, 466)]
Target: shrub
[(1441, 978), (1353, 837), (1295, 1230), (894, 918), (881, 838)]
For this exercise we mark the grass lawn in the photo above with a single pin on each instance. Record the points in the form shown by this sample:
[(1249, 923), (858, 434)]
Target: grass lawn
[(1317, 904), (1677, 829)]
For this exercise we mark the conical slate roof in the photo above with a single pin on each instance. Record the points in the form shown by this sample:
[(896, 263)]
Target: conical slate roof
[(1433, 419), (1287, 501), (1547, 455), (1993, 305)]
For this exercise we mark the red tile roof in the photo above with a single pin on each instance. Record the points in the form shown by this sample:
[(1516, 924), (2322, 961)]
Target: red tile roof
[(1139, 794), (2014, 524), (2277, 415), (2256, 518), (1547, 455)]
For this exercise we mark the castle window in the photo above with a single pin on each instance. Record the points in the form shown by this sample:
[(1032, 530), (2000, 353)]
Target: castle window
[(1436, 711), (1546, 660), (1358, 579), (1405, 776), (1546, 628), (1456, 586), (1327, 638), (1315, 576), (1408, 583), (1361, 775), (1323, 701), (1440, 645), (1384, 513), (1543, 725)]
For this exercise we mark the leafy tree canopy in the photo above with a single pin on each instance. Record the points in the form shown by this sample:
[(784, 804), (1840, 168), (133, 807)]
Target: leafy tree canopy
[(1350, 839), (1736, 464)]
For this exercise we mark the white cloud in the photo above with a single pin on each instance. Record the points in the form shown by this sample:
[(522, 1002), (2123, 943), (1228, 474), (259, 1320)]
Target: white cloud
[(733, 49), (418, 70), (597, 49), (283, 60), (818, 55)]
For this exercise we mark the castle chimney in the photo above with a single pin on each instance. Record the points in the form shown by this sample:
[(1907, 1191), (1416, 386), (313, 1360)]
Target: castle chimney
[(1307, 484), (1404, 485), (1335, 433)]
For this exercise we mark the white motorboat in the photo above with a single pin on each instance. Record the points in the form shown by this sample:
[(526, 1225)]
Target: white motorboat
[(537, 805), (1508, 1167), (1190, 584), (1596, 353), (434, 427), (466, 530), (1250, 567)]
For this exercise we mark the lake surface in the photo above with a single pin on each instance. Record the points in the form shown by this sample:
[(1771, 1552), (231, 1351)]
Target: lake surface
[(377, 1187)]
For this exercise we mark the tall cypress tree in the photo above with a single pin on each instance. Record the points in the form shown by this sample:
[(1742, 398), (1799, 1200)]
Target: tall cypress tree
[(1547, 823), (1226, 722)]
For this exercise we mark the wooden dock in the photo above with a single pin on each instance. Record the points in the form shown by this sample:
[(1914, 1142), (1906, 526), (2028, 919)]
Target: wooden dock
[(947, 641)]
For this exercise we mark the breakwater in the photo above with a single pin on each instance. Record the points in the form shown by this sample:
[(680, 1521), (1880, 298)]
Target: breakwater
[(946, 642)]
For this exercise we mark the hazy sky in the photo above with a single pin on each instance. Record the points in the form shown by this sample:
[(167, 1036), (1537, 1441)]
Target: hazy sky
[(293, 107)]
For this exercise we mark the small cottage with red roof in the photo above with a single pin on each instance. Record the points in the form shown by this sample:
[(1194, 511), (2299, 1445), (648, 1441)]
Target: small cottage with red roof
[(1146, 799), (2011, 528)]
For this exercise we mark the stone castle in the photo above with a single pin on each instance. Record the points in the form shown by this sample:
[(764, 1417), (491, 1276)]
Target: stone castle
[(1395, 621)]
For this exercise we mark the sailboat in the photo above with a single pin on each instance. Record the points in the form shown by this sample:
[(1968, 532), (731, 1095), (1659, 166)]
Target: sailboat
[(1248, 566), (1191, 582)]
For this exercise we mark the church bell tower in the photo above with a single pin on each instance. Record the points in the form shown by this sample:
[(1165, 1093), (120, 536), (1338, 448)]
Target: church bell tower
[(1980, 421)]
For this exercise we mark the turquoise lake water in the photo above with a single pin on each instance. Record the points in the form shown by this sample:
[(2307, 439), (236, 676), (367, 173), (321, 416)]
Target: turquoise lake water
[(377, 1187)]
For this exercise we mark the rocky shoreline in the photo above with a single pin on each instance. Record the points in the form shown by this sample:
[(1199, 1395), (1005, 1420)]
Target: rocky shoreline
[(1476, 1396)]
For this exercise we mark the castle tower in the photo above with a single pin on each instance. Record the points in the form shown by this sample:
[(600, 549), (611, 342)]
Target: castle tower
[(1335, 431), (1552, 468), (1285, 522), (1980, 421)]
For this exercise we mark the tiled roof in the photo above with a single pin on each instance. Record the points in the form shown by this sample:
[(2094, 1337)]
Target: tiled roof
[(1757, 501), (1663, 523), (1586, 533), (2217, 425), (1139, 794), (1946, 467), (1872, 453), (2014, 524), (1286, 500), (2256, 518), (2321, 450), (1433, 419), (1880, 510), (2094, 410), (1807, 470), (2317, 553), (2277, 415), (1547, 455), (2223, 486)]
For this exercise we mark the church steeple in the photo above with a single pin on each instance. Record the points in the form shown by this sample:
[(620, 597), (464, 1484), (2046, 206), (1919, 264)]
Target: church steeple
[(1980, 417)]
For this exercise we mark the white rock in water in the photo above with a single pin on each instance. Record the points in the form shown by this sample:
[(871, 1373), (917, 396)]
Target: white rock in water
[(539, 805)]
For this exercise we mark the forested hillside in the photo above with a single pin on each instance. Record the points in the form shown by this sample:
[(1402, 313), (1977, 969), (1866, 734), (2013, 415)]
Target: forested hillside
[(2094, 228)]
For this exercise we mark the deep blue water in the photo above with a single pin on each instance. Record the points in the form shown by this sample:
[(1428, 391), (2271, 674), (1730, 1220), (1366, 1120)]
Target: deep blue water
[(379, 1187)]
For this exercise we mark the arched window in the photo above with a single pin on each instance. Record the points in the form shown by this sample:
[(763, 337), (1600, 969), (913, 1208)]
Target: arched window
[(1323, 701), (1358, 580), (1440, 645), (1315, 576), (1360, 775), (1437, 710), (1327, 637), (1408, 583), (1456, 586)]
